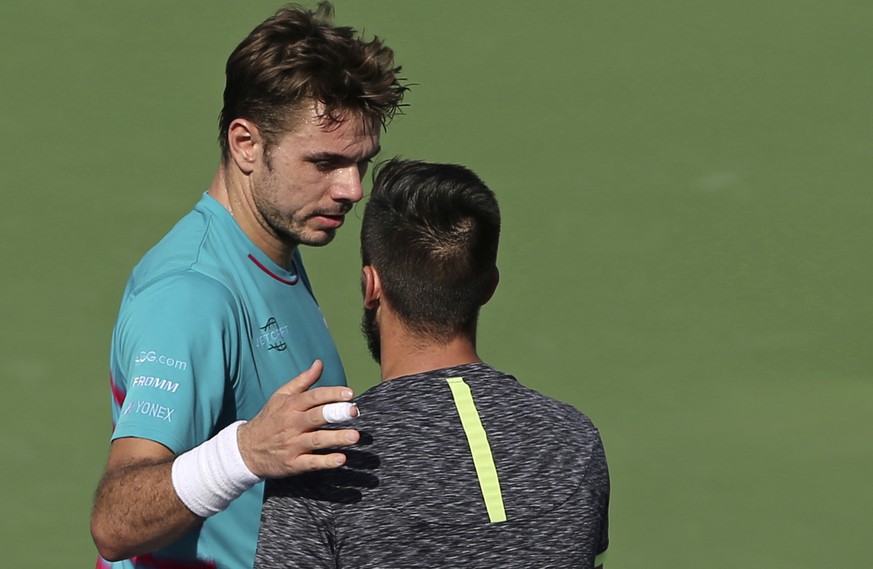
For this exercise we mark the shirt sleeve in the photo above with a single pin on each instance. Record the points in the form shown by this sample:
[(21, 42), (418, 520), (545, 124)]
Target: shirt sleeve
[(174, 354)]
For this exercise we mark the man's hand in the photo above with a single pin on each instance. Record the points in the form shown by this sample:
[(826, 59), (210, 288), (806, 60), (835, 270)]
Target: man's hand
[(279, 440)]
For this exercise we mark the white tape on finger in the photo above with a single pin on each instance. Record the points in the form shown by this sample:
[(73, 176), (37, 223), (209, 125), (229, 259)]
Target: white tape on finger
[(338, 412)]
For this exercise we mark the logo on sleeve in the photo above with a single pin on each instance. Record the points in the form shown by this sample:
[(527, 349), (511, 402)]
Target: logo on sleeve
[(152, 356), (150, 409), (154, 383), (272, 336)]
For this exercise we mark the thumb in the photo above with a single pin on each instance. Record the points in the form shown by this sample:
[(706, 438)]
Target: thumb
[(304, 380)]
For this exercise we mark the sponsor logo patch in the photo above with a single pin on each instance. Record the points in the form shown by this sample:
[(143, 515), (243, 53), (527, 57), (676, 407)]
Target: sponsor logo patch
[(272, 336), (155, 383), (150, 409), (152, 356)]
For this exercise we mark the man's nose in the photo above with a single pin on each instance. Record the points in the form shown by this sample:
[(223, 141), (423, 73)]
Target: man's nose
[(348, 186)]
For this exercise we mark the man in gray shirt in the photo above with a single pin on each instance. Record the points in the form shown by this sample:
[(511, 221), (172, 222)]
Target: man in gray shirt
[(458, 464)]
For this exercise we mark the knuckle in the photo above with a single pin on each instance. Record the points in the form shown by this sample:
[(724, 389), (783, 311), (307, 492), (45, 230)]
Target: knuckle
[(317, 440), (316, 416), (318, 396), (328, 394), (307, 463), (315, 462)]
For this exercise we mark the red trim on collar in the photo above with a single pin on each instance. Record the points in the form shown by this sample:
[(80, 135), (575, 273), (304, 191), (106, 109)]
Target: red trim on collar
[(272, 274)]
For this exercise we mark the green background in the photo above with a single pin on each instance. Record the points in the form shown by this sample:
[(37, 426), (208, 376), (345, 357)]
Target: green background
[(686, 193)]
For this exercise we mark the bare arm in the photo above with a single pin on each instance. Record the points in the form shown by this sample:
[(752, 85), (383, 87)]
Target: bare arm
[(136, 509)]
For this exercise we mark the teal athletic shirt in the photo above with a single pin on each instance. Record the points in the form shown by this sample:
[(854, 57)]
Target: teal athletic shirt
[(209, 328)]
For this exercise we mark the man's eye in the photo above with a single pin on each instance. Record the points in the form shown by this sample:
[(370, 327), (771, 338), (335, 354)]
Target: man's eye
[(324, 165)]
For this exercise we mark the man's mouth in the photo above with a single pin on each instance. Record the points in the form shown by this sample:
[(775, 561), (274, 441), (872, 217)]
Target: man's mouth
[(332, 220)]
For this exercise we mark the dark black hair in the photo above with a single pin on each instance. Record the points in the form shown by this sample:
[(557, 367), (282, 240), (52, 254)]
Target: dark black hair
[(431, 231)]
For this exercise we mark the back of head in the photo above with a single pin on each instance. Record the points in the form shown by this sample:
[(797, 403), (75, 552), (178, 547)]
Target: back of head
[(298, 58), (432, 231)]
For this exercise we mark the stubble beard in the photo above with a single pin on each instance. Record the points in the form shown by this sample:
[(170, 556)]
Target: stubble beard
[(370, 329), (290, 230), (304, 236)]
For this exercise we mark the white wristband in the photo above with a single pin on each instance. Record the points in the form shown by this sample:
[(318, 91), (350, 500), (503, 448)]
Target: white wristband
[(209, 477)]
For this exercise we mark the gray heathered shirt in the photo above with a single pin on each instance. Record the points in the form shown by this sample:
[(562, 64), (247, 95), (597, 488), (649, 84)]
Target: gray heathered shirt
[(409, 495)]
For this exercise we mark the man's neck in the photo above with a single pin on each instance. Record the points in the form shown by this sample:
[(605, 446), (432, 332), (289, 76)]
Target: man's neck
[(408, 355), (229, 193)]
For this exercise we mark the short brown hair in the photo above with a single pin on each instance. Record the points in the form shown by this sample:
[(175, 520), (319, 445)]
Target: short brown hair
[(299, 57)]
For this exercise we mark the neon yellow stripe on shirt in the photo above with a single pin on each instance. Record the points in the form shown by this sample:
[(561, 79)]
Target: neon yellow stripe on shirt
[(483, 461)]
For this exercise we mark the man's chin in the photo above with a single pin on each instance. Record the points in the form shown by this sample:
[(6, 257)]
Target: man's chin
[(316, 238)]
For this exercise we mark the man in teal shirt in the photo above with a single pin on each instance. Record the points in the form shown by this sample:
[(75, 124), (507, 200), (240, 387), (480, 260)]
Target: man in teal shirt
[(220, 313)]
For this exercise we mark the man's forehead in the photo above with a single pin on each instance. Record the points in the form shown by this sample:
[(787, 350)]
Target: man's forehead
[(351, 122), (349, 139), (331, 142), (349, 125), (350, 130)]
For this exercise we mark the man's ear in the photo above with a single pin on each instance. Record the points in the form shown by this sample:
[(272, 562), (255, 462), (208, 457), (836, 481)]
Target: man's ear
[(495, 279), (244, 142), (372, 287)]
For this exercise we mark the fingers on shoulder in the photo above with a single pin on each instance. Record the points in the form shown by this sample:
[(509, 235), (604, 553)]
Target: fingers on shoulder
[(315, 462), (328, 438), (319, 396)]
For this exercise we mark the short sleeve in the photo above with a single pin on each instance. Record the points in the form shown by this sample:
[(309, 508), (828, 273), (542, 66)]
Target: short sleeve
[(174, 353)]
